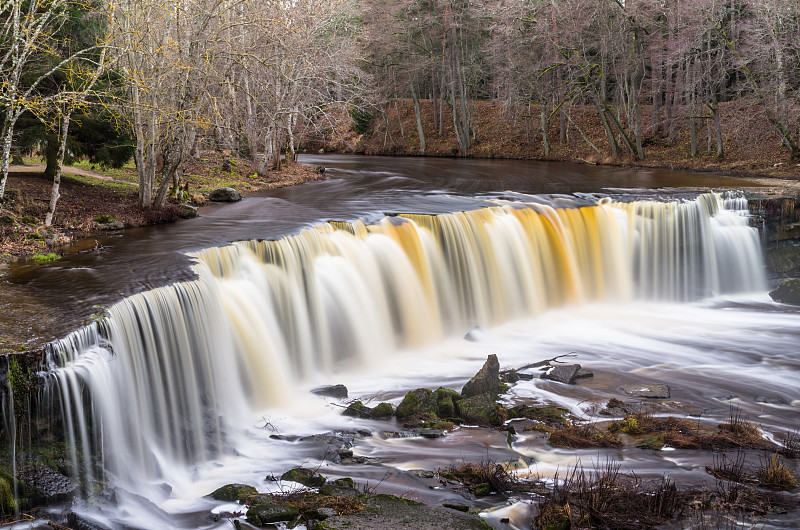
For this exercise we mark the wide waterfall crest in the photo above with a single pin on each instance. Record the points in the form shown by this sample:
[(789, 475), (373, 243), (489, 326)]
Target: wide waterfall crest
[(171, 372)]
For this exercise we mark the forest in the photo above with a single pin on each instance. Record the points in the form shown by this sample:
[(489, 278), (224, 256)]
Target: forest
[(159, 80)]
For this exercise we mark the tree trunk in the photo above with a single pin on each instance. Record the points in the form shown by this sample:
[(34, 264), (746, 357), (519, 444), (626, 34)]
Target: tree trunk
[(52, 147), (62, 149), (418, 115), (543, 126), (717, 128)]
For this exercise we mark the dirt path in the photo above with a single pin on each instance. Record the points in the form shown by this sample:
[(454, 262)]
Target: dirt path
[(67, 170)]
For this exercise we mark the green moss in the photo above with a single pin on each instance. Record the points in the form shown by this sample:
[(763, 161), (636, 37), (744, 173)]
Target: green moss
[(44, 258), (104, 219), (629, 425), (654, 443), (234, 492), (8, 505), (383, 410), (481, 490)]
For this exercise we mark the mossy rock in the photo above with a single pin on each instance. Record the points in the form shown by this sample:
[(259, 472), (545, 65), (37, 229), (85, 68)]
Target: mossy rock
[(264, 514), (417, 403), (345, 482), (788, 292), (356, 409), (306, 477), (8, 505), (104, 219), (343, 491), (481, 490), (383, 410), (234, 492), (445, 402), (479, 410)]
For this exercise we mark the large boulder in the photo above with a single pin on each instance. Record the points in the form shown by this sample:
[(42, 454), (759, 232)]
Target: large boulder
[(264, 514), (486, 381), (234, 492), (306, 477), (334, 391), (225, 195), (788, 292), (563, 373), (419, 402), (479, 410)]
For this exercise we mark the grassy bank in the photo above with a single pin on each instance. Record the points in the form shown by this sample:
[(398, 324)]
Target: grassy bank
[(92, 196)]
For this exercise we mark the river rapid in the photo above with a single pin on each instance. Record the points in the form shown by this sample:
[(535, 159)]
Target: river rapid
[(701, 322)]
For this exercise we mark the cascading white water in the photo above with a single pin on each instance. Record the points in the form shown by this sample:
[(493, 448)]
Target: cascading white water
[(173, 371)]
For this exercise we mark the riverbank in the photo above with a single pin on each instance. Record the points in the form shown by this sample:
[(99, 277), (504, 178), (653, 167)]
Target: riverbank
[(750, 146), (92, 198), (89, 197)]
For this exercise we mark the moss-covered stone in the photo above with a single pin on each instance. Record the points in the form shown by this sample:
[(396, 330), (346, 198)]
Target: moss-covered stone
[(418, 403), (264, 514), (234, 492), (356, 409), (445, 402), (788, 292), (479, 410), (345, 482), (383, 410), (306, 477)]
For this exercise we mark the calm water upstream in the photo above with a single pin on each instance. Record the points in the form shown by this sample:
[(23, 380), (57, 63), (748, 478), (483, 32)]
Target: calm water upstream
[(550, 259)]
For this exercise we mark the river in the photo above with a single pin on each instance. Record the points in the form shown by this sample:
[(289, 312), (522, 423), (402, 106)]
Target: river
[(260, 323)]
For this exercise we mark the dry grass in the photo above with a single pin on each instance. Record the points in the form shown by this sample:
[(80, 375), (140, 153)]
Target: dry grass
[(607, 498), (307, 500), (485, 478), (584, 436), (775, 475), (791, 444)]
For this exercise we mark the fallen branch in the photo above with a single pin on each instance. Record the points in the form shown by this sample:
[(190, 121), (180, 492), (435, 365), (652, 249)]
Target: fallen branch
[(539, 364)]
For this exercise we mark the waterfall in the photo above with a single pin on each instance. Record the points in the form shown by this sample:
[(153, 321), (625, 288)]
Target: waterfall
[(168, 374)]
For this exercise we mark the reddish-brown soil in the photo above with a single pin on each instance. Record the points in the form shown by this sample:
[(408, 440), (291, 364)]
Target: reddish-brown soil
[(751, 146)]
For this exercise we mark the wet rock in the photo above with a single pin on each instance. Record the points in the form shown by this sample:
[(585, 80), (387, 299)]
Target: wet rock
[(647, 391), (45, 484), (306, 477), (771, 400), (479, 410), (264, 514), (388, 511), (419, 402), (188, 211), (456, 506), (357, 409), (510, 377), (79, 522), (486, 381), (788, 292), (383, 410), (225, 195), (234, 492), (445, 402), (476, 334), (319, 169), (562, 373), (583, 373), (424, 473), (334, 391), (345, 482), (344, 492), (320, 514)]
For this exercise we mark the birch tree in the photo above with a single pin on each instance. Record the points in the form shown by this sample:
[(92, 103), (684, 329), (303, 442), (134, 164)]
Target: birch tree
[(29, 35)]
